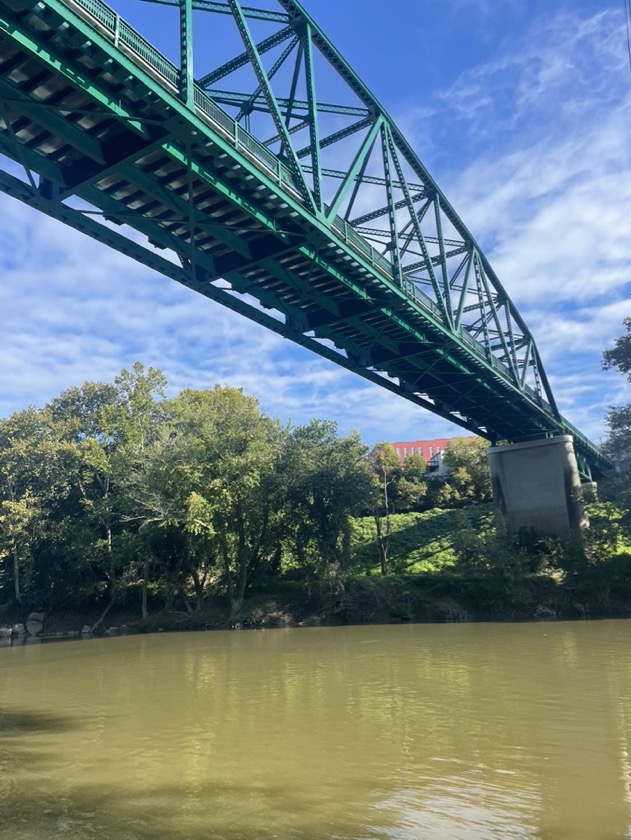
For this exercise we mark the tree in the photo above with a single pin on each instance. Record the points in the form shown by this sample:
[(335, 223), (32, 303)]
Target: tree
[(327, 480), (468, 473), (224, 488), (618, 418), (109, 428), (158, 487), (33, 476), (618, 444), (171, 492), (619, 356), (387, 470), (411, 486)]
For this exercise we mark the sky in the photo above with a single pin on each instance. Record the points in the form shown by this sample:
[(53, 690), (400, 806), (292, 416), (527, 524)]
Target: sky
[(521, 112)]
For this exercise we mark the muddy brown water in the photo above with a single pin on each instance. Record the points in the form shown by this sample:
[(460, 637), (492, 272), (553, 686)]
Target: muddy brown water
[(424, 732)]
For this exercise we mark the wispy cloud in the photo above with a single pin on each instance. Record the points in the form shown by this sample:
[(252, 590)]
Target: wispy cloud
[(74, 310), (544, 184), (533, 147)]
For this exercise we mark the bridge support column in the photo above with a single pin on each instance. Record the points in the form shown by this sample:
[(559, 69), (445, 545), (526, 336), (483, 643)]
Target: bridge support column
[(536, 485)]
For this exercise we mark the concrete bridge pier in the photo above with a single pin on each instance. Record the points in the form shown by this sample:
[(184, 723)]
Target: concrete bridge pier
[(536, 485)]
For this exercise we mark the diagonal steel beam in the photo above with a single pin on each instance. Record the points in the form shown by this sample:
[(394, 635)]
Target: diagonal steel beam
[(340, 174), (442, 260), (294, 129), (342, 134), (270, 98), (224, 9), (241, 60), (229, 97), (363, 154), (437, 261), (442, 302), (314, 128), (383, 211), (247, 106)]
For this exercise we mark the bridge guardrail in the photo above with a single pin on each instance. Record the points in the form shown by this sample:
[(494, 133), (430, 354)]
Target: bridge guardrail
[(205, 104), (101, 12), (145, 50)]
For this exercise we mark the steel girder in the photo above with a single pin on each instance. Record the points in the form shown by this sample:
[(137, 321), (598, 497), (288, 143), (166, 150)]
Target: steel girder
[(316, 207)]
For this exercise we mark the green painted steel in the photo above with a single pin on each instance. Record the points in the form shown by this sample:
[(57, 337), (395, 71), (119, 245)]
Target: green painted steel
[(290, 184)]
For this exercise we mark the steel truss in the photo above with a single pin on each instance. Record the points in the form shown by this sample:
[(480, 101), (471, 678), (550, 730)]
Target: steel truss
[(271, 197)]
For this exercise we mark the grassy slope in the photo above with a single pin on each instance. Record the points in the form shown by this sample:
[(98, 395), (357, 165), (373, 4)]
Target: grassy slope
[(419, 542)]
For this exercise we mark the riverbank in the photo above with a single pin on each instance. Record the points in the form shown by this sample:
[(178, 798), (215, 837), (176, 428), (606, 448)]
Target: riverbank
[(395, 599)]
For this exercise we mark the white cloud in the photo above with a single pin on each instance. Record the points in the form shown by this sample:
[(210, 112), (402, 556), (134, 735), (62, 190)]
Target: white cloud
[(545, 133), (540, 170), (73, 310)]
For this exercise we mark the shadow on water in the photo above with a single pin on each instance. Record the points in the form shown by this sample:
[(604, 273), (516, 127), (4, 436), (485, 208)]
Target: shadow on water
[(165, 813), (25, 742), (38, 801), (17, 722)]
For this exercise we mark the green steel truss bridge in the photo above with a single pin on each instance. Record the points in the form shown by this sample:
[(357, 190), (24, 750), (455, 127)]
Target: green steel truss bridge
[(274, 183)]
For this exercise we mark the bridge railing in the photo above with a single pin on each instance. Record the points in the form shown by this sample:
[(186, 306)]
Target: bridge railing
[(145, 50), (208, 107), (122, 34), (350, 235)]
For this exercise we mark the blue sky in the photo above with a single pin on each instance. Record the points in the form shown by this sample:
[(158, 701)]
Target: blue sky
[(521, 112)]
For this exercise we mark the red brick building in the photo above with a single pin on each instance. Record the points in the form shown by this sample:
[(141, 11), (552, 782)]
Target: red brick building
[(427, 449)]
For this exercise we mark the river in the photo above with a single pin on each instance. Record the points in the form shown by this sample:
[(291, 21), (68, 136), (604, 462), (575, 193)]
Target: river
[(423, 732)]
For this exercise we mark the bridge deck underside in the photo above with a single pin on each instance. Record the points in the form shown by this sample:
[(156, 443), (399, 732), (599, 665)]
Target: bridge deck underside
[(74, 114)]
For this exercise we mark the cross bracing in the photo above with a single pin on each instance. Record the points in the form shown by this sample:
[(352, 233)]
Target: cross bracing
[(275, 184)]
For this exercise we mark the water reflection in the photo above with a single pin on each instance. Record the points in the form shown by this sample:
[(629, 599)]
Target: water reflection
[(16, 641), (466, 732)]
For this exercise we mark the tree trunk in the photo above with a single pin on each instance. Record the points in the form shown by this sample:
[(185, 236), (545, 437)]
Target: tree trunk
[(383, 543), (384, 539), (113, 594), (16, 577), (145, 576), (173, 584), (237, 593), (187, 603), (198, 585), (236, 605)]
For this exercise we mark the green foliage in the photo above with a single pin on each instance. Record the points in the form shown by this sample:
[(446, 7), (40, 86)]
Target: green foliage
[(384, 462), (468, 481), (327, 480), (617, 490), (419, 543), (599, 563), (619, 356), (606, 535), (489, 549), (411, 490), (414, 467), (618, 444), (33, 479), (114, 493), (215, 476), (113, 488)]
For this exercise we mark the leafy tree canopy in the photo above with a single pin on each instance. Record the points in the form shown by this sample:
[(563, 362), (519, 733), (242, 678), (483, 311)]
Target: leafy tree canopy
[(618, 418), (619, 356)]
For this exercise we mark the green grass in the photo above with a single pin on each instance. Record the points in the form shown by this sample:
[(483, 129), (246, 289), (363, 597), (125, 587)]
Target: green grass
[(419, 542)]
